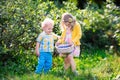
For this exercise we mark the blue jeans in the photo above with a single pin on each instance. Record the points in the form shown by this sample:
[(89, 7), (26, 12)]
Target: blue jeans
[(44, 62)]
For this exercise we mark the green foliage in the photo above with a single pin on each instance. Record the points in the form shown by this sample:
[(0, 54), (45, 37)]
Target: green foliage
[(101, 26), (20, 24)]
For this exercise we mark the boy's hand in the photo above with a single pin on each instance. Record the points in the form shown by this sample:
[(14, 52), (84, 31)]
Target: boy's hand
[(37, 49), (57, 43), (37, 54)]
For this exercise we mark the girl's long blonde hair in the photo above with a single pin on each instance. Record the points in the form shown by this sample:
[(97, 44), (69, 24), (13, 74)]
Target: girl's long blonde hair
[(67, 17)]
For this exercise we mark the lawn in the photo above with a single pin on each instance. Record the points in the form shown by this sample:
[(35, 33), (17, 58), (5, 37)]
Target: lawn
[(95, 65)]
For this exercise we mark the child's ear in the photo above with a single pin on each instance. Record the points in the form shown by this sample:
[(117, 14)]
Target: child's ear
[(43, 28)]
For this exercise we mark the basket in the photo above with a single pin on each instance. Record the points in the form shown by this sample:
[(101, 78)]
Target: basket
[(65, 48)]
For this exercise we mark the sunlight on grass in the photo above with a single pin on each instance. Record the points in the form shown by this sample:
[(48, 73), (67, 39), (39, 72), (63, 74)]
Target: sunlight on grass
[(33, 76), (92, 66)]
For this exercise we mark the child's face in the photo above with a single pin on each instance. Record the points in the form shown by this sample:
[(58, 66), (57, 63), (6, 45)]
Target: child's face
[(68, 24), (48, 29)]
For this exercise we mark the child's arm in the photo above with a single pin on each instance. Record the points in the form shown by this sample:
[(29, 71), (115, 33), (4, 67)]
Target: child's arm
[(37, 49), (55, 36), (61, 38), (79, 33), (39, 38)]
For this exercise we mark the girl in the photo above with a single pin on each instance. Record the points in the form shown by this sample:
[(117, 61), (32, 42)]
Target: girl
[(71, 34)]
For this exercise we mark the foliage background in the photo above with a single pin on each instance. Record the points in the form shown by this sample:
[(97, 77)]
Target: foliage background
[(20, 25)]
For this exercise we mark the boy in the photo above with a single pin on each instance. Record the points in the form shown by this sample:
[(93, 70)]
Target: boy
[(45, 46)]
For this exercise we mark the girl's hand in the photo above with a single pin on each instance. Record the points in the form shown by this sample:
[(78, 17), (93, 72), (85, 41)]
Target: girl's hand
[(71, 42)]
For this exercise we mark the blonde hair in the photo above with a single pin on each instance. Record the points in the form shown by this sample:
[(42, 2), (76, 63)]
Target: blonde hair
[(67, 17), (47, 22)]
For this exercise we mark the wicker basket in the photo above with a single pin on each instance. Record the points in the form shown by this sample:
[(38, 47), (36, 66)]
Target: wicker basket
[(65, 48)]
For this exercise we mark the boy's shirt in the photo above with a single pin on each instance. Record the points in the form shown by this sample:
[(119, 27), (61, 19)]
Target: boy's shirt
[(46, 42)]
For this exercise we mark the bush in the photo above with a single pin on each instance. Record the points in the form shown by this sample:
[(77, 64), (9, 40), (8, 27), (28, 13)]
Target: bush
[(20, 25)]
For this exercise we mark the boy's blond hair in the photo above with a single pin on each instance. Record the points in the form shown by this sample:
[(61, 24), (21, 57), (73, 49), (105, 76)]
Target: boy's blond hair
[(47, 22)]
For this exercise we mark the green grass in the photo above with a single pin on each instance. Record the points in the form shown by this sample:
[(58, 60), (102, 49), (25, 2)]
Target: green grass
[(95, 65)]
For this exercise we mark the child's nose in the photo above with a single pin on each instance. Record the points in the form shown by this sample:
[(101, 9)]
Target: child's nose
[(50, 30)]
